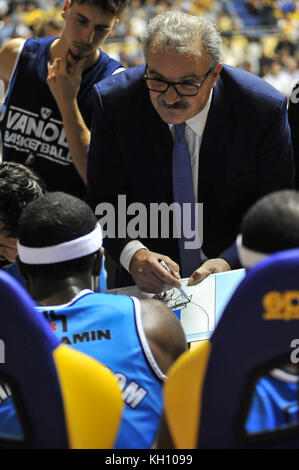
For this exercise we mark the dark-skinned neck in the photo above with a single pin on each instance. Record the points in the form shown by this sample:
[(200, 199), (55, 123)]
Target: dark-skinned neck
[(57, 291)]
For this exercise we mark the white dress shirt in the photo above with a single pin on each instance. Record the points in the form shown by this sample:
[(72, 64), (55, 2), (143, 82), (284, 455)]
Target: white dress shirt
[(193, 133)]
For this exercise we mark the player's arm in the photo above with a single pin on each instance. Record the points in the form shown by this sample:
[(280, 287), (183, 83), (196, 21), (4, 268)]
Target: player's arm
[(163, 331), (64, 79), (8, 55), (167, 342), (163, 438)]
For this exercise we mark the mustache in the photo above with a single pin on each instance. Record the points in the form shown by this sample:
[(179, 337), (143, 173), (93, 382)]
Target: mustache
[(177, 105)]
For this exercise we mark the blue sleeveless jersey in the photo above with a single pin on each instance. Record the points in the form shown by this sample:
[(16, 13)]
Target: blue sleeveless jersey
[(109, 328), (32, 130), (275, 403), (10, 427)]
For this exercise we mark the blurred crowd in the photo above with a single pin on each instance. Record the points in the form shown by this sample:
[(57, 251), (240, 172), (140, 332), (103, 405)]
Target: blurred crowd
[(261, 36)]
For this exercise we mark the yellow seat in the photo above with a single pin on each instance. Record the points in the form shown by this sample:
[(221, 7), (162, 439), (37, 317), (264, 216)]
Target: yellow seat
[(60, 398)]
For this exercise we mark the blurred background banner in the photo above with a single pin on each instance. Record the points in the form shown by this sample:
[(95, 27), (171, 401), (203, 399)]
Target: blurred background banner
[(260, 36)]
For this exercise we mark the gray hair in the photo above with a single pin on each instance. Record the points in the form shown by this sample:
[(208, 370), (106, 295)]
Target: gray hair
[(179, 30)]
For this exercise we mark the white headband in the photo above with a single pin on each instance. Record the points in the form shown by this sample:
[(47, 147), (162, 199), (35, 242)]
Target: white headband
[(247, 256), (82, 246)]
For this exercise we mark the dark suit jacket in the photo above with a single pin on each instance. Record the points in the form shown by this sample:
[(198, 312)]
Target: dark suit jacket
[(294, 125), (246, 152)]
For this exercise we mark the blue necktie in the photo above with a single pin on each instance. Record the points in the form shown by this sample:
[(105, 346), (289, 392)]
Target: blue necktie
[(183, 193)]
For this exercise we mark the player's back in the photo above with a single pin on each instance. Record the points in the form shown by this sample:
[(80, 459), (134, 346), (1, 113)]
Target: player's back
[(109, 328)]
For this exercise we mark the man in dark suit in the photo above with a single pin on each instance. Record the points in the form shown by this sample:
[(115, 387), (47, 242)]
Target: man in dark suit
[(236, 134), (293, 114)]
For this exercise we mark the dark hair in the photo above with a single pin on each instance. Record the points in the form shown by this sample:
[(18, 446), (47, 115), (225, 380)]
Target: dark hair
[(116, 7), (18, 187), (179, 30), (56, 218), (272, 223)]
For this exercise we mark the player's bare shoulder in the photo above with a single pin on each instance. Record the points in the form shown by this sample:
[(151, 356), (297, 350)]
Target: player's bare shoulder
[(163, 331), (8, 55)]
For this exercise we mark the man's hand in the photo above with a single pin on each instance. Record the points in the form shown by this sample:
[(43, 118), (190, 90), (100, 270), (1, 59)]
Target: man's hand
[(64, 79), (217, 265), (149, 275)]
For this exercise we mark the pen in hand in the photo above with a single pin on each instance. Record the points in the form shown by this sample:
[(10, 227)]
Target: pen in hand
[(164, 265)]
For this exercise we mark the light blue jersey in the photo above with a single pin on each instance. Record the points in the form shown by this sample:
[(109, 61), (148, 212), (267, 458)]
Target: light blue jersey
[(109, 328), (275, 402)]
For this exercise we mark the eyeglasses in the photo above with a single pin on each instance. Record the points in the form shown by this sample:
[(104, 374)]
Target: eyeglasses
[(182, 88)]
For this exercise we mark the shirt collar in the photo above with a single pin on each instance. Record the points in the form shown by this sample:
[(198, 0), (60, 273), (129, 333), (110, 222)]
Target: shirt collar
[(198, 122)]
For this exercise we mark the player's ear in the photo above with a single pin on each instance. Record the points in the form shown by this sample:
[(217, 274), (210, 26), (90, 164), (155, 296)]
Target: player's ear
[(116, 21), (21, 268), (66, 7), (97, 263)]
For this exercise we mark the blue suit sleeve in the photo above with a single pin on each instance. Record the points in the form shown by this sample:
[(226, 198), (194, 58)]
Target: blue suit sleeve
[(293, 114), (275, 166), (104, 158)]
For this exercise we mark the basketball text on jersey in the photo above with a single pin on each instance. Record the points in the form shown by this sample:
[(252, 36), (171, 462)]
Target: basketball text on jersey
[(133, 393), (78, 337), (29, 132)]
